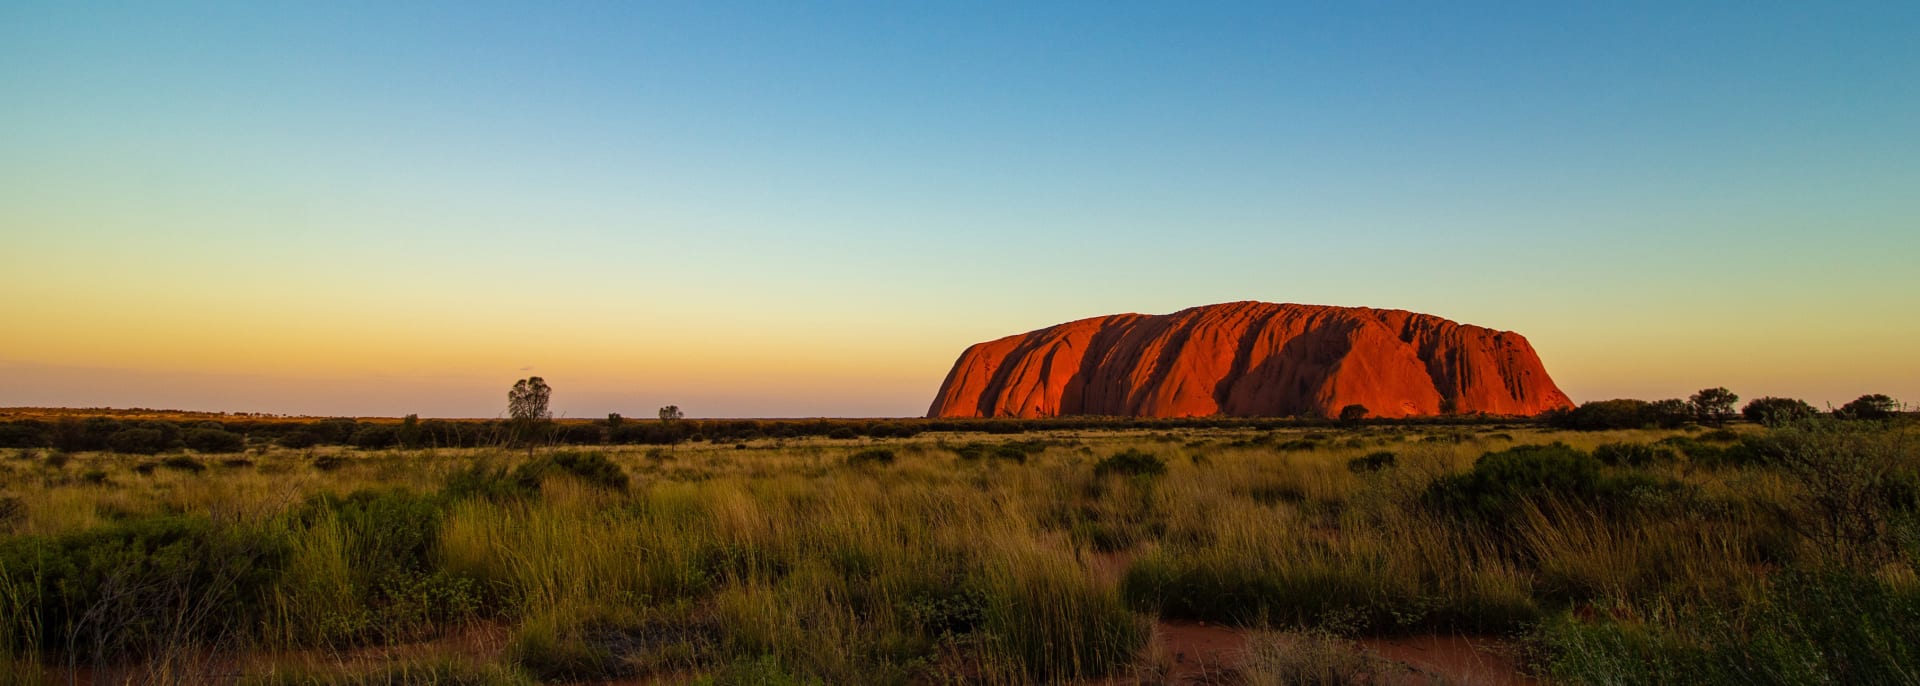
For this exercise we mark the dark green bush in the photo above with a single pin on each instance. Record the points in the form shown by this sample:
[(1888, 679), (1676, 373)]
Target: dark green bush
[(134, 587), (1371, 462), (391, 537), (214, 441), (375, 437), (1131, 462), (1811, 628), (1501, 482), (577, 434), (1311, 596), (25, 434), (1603, 415), (484, 480), (138, 441), (871, 457), (591, 466), (1773, 411), (182, 463), (1632, 454), (1874, 406), (298, 440)]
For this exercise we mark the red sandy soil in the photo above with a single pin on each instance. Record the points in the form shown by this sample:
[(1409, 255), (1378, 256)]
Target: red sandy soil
[(1191, 652), (1455, 659), (1251, 359)]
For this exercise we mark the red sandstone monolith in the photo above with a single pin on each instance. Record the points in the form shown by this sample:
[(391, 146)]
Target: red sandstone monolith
[(1251, 359)]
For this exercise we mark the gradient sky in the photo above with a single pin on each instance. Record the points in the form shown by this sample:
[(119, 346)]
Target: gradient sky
[(377, 208)]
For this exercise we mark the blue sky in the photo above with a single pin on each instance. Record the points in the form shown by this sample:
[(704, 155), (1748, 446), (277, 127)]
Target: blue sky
[(798, 210)]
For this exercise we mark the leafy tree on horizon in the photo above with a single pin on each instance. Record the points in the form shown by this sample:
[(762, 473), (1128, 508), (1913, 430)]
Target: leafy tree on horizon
[(527, 405), (1773, 411), (1713, 405), (1871, 406), (671, 413)]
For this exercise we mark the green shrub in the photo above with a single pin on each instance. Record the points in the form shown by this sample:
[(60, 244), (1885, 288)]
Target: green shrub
[(612, 643), (1773, 411), (24, 435), (443, 672), (1502, 481), (1372, 462), (485, 480), (1810, 628), (214, 441), (1603, 415), (871, 457), (398, 590), (1874, 406), (1321, 595), (764, 671), (592, 467), (1632, 454), (298, 439), (1131, 462), (182, 463), (138, 586), (375, 437), (137, 441)]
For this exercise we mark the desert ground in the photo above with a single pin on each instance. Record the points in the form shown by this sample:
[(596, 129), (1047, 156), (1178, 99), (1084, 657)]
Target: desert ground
[(1488, 552)]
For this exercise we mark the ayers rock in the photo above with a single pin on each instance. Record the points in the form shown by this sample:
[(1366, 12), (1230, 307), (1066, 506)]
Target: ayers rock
[(1251, 359)]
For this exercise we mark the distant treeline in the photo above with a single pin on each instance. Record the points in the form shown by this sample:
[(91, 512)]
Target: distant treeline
[(233, 434), (150, 436)]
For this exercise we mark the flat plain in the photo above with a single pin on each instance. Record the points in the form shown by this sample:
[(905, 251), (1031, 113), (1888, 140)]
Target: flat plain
[(1375, 552)]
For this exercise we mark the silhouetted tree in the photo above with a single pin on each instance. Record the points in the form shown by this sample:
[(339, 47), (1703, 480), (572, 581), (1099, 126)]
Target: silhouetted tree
[(671, 413), (410, 434), (1874, 406), (1669, 413), (1773, 411), (1713, 405), (1353, 413), (527, 405)]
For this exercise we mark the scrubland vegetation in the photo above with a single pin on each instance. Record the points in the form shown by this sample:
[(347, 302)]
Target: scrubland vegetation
[(1743, 553)]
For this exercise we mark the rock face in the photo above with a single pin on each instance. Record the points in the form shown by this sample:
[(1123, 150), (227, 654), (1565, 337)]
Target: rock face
[(1251, 359)]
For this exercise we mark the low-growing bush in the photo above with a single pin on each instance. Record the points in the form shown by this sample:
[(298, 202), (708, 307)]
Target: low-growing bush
[(375, 437), (24, 435), (1632, 454), (591, 466), (1773, 411), (298, 440), (871, 457), (1371, 462), (182, 463), (214, 441), (1502, 481), (137, 441), (1131, 462), (132, 588), (1810, 628), (367, 570)]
